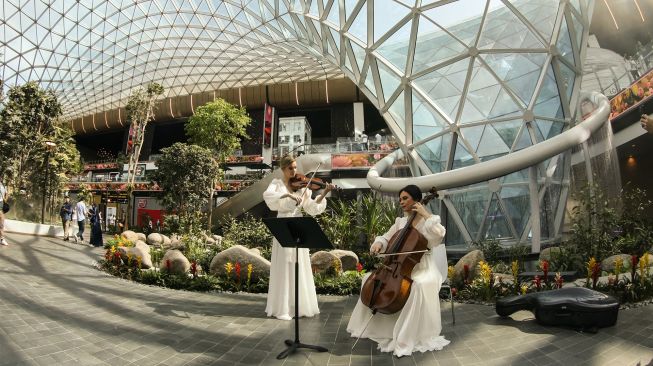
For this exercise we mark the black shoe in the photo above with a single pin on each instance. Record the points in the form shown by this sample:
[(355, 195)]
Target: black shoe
[(66, 239)]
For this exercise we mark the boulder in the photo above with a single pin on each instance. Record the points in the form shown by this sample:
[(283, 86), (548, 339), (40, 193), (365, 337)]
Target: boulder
[(130, 235), (608, 263), (208, 239), (547, 253), (603, 280), (323, 261), (175, 240), (470, 259), (142, 244), (256, 251), (155, 239), (348, 258), (139, 250), (141, 236), (178, 263), (166, 240), (244, 256)]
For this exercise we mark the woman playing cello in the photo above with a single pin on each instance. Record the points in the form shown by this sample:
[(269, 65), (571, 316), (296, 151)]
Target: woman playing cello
[(417, 326), (289, 200)]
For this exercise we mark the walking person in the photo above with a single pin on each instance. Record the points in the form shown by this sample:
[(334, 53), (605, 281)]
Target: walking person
[(66, 213), (4, 196), (82, 212), (95, 217)]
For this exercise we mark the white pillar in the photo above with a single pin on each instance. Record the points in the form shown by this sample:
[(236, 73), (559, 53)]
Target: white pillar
[(359, 118)]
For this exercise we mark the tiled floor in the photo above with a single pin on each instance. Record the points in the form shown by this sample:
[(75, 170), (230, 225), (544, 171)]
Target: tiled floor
[(57, 309)]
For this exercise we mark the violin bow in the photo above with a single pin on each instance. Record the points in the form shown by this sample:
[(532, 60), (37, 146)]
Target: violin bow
[(310, 179), (401, 253)]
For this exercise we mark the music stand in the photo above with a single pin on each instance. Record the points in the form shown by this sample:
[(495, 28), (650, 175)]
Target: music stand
[(297, 232)]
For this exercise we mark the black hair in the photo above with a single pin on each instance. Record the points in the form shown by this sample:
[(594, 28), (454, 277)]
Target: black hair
[(413, 191)]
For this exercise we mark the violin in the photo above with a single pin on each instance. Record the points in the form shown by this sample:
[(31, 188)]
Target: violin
[(386, 290), (300, 181)]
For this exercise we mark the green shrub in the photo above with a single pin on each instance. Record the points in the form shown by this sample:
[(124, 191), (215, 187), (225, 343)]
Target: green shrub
[(248, 231), (348, 283)]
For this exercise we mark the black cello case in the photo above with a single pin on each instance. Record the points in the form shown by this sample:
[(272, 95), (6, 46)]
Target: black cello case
[(577, 307)]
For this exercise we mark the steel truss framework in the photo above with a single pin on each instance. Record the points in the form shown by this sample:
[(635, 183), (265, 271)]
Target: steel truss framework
[(459, 82)]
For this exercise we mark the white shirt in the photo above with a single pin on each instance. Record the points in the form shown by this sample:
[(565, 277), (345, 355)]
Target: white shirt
[(80, 210), (3, 191)]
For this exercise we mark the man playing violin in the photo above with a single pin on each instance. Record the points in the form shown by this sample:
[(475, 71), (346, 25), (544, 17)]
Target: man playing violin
[(289, 196), (417, 326)]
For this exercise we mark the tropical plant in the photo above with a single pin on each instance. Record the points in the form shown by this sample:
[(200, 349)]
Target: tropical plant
[(339, 225), (247, 230), (218, 126), (603, 227), (140, 110), (184, 171), (29, 118)]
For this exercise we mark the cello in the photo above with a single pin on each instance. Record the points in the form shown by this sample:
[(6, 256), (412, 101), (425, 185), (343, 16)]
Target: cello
[(387, 289)]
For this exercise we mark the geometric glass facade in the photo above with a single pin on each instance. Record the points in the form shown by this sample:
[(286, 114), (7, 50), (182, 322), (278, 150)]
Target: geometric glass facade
[(459, 83)]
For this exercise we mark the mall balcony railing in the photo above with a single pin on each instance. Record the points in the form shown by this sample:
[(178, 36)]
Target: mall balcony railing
[(106, 179), (611, 81), (344, 145)]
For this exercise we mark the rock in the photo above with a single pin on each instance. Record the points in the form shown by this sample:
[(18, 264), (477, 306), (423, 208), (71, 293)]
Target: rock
[(175, 243), (142, 244), (348, 258), (178, 263), (141, 236), (139, 250), (155, 239), (255, 251), (547, 253), (175, 240), (603, 280), (470, 259), (323, 261), (166, 240), (608, 263), (244, 256), (207, 239), (130, 235)]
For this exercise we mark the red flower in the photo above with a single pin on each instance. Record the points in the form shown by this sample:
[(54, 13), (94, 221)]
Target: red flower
[(545, 266), (237, 269), (168, 265), (559, 281), (116, 257), (633, 266), (359, 267), (454, 291), (538, 282), (596, 271), (193, 269)]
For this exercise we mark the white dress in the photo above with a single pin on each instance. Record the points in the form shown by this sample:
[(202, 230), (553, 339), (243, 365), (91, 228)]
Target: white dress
[(417, 326), (281, 291)]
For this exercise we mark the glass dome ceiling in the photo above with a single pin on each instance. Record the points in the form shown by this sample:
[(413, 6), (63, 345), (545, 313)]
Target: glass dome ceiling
[(459, 82), (94, 53)]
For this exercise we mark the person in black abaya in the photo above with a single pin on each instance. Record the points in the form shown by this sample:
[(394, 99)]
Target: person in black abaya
[(96, 228)]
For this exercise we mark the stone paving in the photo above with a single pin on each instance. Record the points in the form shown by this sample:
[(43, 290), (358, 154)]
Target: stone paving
[(57, 309)]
